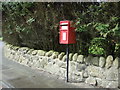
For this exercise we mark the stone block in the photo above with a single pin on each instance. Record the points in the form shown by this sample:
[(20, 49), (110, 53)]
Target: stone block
[(95, 61), (91, 80), (30, 64), (85, 74), (64, 58), (95, 71), (109, 61), (88, 60), (111, 74), (62, 72), (80, 67), (49, 59), (62, 64), (17, 56), (48, 54), (55, 55), (41, 53), (16, 48), (60, 56), (99, 81), (23, 50), (43, 63), (36, 64), (80, 59), (30, 51), (78, 77), (75, 56), (70, 56), (116, 63), (35, 58), (72, 66), (24, 62), (102, 62)]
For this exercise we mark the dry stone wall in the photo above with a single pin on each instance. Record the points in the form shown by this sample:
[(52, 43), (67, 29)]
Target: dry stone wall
[(98, 71)]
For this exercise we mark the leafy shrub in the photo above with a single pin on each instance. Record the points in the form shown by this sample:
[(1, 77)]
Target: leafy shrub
[(36, 25), (97, 46), (95, 50)]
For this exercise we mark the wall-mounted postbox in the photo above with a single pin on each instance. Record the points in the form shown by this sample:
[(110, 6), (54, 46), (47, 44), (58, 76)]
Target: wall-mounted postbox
[(67, 33)]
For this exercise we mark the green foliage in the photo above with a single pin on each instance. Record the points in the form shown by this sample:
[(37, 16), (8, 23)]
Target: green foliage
[(116, 30), (98, 41), (97, 46), (100, 22), (95, 50), (102, 28), (36, 25), (30, 21), (15, 11), (82, 28)]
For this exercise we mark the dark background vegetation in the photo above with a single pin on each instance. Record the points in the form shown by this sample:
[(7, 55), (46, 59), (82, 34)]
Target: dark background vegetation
[(36, 25)]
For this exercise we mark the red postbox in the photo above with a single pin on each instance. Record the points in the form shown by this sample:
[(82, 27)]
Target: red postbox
[(67, 33)]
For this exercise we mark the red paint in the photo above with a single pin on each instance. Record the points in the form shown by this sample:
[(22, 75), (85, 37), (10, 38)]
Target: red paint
[(67, 33)]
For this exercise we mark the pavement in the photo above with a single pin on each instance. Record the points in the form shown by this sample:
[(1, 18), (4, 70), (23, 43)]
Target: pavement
[(15, 75)]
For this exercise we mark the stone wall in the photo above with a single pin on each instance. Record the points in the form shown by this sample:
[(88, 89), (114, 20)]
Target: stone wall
[(98, 71)]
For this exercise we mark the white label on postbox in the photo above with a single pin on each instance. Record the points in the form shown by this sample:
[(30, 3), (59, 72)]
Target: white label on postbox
[(64, 27), (64, 35)]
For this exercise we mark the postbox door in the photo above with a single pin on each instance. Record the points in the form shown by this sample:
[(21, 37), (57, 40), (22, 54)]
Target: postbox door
[(64, 37)]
